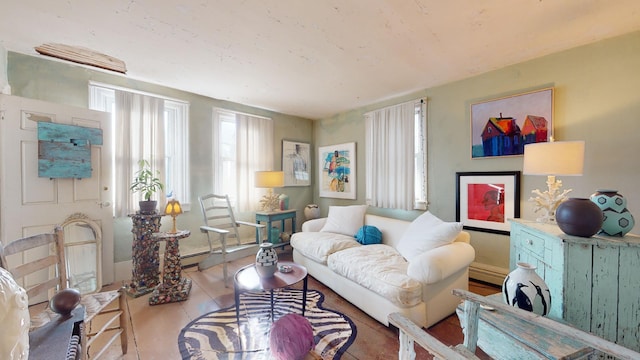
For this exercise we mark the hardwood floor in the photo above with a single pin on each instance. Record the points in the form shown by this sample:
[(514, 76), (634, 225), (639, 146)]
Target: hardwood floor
[(153, 330)]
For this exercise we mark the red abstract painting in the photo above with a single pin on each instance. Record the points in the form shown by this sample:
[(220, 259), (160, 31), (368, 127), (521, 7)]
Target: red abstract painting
[(486, 202)]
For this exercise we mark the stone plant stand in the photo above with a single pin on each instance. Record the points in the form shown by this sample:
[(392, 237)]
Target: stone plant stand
[(146, 263), (173, 287)]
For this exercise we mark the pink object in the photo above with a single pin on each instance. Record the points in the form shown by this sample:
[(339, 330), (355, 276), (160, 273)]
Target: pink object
[(291, 337)]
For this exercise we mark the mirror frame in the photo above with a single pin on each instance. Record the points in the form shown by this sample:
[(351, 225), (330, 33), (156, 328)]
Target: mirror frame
[(84, 219)]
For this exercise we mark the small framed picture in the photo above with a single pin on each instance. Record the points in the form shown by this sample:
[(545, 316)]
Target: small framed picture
[(485, 200), (296, 163), (337, 171)]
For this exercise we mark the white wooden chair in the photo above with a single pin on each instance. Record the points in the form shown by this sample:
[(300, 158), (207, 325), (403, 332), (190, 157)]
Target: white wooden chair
[(222, 231), (38, 264)]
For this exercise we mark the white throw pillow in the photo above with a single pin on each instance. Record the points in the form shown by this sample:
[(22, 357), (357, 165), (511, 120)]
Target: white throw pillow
[(427, 232), (346, 220)]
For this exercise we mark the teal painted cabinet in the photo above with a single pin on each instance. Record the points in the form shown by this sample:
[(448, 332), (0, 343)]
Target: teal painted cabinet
[(594, 282)]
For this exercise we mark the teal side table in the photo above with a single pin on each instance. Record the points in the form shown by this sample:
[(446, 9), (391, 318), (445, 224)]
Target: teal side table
[(271, 216)]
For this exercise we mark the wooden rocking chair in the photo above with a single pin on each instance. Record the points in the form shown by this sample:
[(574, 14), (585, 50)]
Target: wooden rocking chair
[(220, 225)]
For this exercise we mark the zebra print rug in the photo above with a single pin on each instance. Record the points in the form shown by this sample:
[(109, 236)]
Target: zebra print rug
[(215, 335)]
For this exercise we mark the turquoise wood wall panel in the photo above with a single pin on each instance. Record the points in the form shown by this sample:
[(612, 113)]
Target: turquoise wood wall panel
[(64, 151), (48, 131)]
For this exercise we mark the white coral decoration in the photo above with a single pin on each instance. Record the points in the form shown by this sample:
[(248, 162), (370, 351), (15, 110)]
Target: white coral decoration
[(549, 200), (270, 202)]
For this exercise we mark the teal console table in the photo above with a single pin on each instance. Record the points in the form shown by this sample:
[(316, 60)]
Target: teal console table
[(270, 216), (593, 281)]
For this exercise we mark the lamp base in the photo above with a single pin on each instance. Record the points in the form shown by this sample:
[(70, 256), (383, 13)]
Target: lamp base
[(173, 230), (547, 202)]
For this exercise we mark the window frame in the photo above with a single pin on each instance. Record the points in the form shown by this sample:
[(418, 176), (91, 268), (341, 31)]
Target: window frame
[(419, 159), (102, 98)]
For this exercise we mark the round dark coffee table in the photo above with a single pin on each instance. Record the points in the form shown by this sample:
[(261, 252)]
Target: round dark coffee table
[(247, 279)]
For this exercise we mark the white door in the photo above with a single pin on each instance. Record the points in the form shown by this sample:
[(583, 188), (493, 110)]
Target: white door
[(30, 204)]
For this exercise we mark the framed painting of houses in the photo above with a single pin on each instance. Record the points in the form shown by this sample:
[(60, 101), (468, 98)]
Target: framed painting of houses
[(501, 127), (337, 171), (485, 200), (296, 162)]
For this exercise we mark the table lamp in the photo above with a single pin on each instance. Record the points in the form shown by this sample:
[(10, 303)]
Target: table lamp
[(269, 180), (565, 158), (174, 209)]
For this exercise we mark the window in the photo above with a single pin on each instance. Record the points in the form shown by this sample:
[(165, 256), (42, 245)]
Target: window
[(226, 155), (150, 127), (176, 151), (242, 145), (420, 155), (396, 156)]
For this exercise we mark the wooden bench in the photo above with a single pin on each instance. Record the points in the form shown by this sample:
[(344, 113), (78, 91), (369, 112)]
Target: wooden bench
[(503, 336), (543, 334)]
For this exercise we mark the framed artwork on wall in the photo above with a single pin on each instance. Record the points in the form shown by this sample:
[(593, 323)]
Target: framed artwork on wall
[(296, 163), (485, 200), (337, 171), (501, 127)]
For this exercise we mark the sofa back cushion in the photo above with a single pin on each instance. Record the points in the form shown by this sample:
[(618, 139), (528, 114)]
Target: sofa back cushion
[(391, 229), (425, 233), (345, 220)]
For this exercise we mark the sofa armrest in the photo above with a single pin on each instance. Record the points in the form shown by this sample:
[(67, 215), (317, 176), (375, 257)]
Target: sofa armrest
[(440, 263), (314, 225)]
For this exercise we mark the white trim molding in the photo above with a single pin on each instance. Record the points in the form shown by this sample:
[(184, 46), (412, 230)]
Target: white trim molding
[(487, 273)]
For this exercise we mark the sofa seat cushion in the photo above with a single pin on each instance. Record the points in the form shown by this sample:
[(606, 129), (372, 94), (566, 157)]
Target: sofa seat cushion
[(317, 246), (379, 268)]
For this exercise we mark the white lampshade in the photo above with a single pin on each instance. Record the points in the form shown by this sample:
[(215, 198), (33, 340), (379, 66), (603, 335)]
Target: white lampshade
[(564, 158), (269, 179)]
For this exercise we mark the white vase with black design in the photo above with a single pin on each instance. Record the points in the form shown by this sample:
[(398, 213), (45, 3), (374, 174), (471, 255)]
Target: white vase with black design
[(266, 260), (525, 289)]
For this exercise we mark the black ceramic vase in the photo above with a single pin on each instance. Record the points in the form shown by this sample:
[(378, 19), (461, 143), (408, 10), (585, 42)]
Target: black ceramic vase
[(579, 217)]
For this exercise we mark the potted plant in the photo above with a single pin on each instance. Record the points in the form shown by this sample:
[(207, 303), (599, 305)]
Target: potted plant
[(146, 183)]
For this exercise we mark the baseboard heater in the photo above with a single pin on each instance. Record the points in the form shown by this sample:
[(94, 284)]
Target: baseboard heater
[(487, 273)]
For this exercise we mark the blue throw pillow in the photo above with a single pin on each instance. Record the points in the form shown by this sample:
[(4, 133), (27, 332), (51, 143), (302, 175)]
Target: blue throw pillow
[(369, 235)]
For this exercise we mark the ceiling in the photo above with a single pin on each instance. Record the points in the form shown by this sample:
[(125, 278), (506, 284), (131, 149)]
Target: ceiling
[(313, 58)]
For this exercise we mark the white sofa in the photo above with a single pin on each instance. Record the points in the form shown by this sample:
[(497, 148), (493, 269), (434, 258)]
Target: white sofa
[(377, 279)]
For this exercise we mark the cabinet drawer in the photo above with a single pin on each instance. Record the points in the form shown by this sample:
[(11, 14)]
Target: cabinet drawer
[(532, 244)]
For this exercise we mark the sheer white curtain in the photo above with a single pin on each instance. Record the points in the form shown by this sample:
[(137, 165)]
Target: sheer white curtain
[(234, 169), (391, 157), (254, 153), (139, 120)]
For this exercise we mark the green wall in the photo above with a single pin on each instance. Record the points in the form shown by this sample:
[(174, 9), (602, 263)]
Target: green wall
[(597, 99), (59, 82)]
